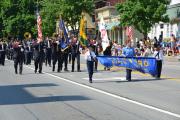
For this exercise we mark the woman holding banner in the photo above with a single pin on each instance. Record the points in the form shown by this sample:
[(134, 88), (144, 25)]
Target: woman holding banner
[(128, 51)]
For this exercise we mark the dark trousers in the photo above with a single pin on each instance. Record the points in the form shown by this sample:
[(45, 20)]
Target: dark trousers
[(90, 65), (65, 60), (96, 65), (128, 74), (70, 57), (48, 57), (159, 68), (18, 61), (57, 58), (28, 58), (38, 64), (77, 57), (2, 57)]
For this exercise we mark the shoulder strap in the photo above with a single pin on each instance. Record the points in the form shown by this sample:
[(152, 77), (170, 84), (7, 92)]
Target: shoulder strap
[(157, 55)]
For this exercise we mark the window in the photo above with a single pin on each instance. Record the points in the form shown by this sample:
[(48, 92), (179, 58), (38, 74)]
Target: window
[(161, 26)]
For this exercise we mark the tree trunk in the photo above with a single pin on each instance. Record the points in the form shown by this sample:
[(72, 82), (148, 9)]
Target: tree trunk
[(145, 36)]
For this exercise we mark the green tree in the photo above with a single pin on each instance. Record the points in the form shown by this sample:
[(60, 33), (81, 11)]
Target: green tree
[(18, 17), (142, 14), (69, 10)]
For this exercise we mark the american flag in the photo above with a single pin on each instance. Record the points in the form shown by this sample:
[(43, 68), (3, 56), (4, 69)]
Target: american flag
[(129, 32), (39, 22)]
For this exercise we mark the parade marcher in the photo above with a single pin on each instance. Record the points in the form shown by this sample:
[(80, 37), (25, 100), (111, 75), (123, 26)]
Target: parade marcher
[(70, 54), (3, 47), (28, 53), (90, 57), (128, 51), (75, 54), (48, 53), (107, 52), (95, 49), (38, 55), (10, 50), (158, 54), (65, 51), (56, 55), (18, 55)]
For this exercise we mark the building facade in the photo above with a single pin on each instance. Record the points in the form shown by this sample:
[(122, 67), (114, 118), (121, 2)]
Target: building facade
[(107, 10), (166, 29)]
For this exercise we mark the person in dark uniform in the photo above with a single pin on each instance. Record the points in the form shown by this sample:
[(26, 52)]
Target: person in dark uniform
[(2, 52), (38, 55), (48, 52), (28, 53), (65, 52), (128, 51), (75, 54), (56, 55), (107, 52), (10, 50), (18, 53), (70, 54), (90, 57)]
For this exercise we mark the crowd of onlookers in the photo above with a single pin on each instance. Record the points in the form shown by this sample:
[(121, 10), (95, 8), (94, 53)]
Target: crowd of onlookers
[(145, 47)]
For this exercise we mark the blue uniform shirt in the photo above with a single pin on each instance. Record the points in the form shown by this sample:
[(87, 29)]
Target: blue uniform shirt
[(128, 51)]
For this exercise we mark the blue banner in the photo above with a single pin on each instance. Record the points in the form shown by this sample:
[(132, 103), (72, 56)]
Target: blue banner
[(141, 64), (65, 41)]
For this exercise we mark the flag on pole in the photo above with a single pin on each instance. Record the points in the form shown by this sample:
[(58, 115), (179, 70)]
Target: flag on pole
[(129, 32), (65, 39), (39, 23), (104, 36), (82, 32)]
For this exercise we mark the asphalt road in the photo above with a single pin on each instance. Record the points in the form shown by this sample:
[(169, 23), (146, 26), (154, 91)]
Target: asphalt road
[(69, 96)]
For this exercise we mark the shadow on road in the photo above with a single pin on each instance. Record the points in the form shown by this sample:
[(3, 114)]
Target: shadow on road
[(17, 94), (125, 81)]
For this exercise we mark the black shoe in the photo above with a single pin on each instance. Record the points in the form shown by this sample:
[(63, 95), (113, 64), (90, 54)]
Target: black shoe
[(40, 72), (35, 71), (90, 80), (53, 69), (58, 71), (79, 70), (16, 72), (128, 79), (72, 70), (66, 70)]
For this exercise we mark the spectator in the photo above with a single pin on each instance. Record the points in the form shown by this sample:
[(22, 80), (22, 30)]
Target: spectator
[(173, 43)]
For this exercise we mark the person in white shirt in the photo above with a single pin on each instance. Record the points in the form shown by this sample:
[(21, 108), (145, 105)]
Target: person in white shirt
[(90, 58), (158, 54), (147, 51)]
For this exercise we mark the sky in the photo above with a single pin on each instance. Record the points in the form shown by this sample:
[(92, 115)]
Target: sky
[(174, 2)]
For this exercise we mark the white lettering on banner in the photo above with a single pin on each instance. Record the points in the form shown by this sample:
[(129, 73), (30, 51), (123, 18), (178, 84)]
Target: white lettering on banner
[(104, 36)]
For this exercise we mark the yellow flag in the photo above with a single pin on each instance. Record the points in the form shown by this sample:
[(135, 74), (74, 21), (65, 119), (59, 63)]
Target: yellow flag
[(82, 32)]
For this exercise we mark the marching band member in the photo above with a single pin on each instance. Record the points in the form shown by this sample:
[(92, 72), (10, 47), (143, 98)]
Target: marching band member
[(18, 55), (56, 55), (38, 55)]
